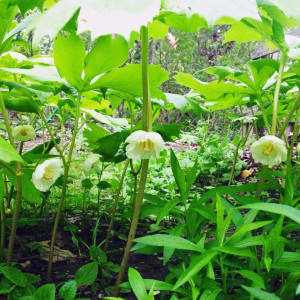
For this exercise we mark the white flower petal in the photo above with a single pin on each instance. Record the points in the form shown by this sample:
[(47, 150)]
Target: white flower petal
[(277, 155), (90, 163), (134, 149), (42, 184)]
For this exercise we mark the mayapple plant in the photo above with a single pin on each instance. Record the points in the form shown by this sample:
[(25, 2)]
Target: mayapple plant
[(82, 76)]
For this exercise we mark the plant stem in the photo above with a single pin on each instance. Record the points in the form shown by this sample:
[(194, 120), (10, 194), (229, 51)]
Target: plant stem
[(294, 137), (264, 115), (133, 227), (261, 181), (147, 126), (276, 93), (64, 187), (19, 187), (2, 239), (60, 204), (294, 107), (115, 205)]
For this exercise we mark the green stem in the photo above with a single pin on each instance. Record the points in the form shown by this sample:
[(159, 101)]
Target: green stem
[(276, 93), (60, 204), (64, 187), (264, 114), (261, 182), (289, 117), (8, 167), (2, 239), (294, 137), (133, 227), (255, 125), (19, 187), (111, 223), (147, 126)]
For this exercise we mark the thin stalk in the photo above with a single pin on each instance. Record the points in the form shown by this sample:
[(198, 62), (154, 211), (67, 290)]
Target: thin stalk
[(64, 187), (254, 122), (59, 150), (276, 93), (294, 137), (133, 227), (264, 115), (111, 223), (261, 182), (2, 239), (289, 117), (147, 126), (19, 187), (8, 167)]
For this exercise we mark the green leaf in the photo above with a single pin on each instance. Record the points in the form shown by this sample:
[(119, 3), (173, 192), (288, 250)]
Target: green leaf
[(262, 70), (241, 33), (93, 133), (275, 208), (168, 131), (257, 279), (69, 56), (236, 251), (39, 73), (52, 20), (178, 101), (164, 240), (97, 255), (22, 25), (25, 5), (181, 21), (291, 8), (22, 104), (214, 11), (32, 194), (278, 35), (157, 30), (7, 14), (248, 227), (8, 153), (45, 292), (179, 175), (107, 53), (129, 80), (212, 89), (259, 294), (166, 209), (87, 274), (200, 262), (14, 275), (159, 286), (137, 284), (68, 290)]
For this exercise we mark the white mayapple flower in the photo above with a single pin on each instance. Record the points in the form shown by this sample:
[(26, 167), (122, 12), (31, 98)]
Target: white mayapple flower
[(90, 163), (269, 150), (143, 145), (46, 174), (23, 133)]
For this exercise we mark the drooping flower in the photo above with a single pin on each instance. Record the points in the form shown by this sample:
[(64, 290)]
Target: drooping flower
[(23, 133), (143, 145), (90, 163), (269, 150), (46, 174)]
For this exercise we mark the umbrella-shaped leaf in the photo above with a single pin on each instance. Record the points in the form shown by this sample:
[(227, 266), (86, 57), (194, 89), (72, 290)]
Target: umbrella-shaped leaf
[(129, 80), (107, 53), (69, 55)]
